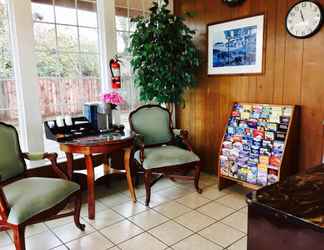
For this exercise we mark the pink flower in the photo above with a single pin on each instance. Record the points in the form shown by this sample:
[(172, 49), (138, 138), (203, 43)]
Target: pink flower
[(113, 98)]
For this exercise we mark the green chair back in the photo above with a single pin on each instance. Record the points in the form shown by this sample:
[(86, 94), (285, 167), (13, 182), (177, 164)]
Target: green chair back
[(11, 162), (153, 123)]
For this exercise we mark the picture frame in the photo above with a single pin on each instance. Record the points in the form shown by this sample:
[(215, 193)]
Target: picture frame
[(236, 46)]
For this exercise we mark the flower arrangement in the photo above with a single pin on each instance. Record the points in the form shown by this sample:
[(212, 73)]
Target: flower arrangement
[(113, 98)]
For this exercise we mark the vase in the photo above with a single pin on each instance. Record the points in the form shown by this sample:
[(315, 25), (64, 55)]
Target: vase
[(109, 116), (116, 116)]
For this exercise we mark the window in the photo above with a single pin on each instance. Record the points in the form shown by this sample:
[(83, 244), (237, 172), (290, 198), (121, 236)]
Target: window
[(66, 36), (67, 51), (125, 10), (8, 91)]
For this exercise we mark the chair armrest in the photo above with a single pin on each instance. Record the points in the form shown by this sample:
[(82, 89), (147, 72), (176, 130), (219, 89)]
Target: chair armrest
[(52, 157), (34, 156), (4, 207), (184, 136), (139, 145), (181, 132)]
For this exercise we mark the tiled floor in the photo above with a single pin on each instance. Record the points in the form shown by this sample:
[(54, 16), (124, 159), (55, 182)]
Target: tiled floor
[(178, 218)]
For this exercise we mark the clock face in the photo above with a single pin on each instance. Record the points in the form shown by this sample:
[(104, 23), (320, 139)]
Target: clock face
[(304, 19)]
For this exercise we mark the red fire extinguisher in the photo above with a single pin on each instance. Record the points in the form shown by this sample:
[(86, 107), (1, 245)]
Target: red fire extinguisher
[(115, 73)]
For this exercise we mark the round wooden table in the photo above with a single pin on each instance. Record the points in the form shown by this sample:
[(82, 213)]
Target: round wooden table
[(100, 144)]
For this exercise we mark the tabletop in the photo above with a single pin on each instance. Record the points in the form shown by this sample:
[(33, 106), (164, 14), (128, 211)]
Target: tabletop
[(299, 197), (102, 139)]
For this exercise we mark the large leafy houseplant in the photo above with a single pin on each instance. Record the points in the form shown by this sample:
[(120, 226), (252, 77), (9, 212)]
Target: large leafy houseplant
[(164, 58)]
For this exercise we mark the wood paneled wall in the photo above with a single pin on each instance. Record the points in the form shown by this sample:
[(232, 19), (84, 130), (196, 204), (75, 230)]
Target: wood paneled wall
[(294, 74)]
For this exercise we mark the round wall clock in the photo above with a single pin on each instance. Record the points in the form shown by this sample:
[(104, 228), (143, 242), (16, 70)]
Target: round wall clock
[(233, 2), (304, 19)]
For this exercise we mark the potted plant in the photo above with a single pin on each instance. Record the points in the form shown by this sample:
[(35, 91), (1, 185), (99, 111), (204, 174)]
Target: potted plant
[(164, 57)]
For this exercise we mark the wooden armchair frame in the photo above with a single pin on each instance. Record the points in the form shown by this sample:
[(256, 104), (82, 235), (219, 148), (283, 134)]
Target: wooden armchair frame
[(49, 214), (172, 172)]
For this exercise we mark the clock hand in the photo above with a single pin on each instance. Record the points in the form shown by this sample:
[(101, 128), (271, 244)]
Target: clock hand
[(302, 16)]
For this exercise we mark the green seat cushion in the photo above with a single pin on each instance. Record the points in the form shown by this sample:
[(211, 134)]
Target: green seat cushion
[(30, 196), (165, 156)]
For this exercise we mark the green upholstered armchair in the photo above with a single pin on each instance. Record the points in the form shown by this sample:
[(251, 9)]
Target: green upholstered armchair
[(28, 200), (158, 149)]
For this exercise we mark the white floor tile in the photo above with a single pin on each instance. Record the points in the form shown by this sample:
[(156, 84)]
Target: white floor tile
[(239, 245), (121, 231), (172, 209), (8, 247), (173, 193), (221, 234), (234, 201), (195, 242), (140, 191), (104, 218), (114, 248), (162, 184), (244, 210), (148, 219), (170, 232), (156, 200), (195, 221), (32, 230), (35, 229), (130, 209), (144, 242), (238, 221), (62, 247), (70, 232), (59, 222), (4, 239), (216, 210), (185, 184), (43, 241), (213, 193), (91, 241), (114, 200), (193, 200), (207, 180), (98, 207)]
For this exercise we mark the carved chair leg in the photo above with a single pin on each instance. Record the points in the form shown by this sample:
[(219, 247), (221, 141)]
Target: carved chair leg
[(135, 175), (77, 210), (19, 237), (147, 182), (197, 176)]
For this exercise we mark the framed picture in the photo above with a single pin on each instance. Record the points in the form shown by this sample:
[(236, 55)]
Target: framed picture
[(236, 46)]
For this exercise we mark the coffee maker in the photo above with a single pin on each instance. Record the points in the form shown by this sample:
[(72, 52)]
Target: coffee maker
[(99, 115)]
